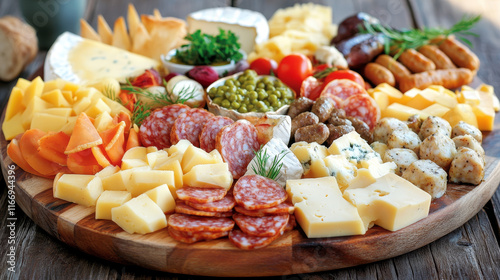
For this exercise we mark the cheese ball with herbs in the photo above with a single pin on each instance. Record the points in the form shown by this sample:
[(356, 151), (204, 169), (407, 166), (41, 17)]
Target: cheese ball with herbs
[(249, 92)]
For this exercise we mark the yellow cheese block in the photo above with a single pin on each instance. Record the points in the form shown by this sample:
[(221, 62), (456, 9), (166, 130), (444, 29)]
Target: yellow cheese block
[(139, 215), (157, 156), (48, 122), (306, 153), (97, 107), (162, 196), (70, 124), (402, 112), (55, 98), (68, 95), (35, 89), (392, 93), (195, 156), (23, 84), (209, 176), (381, 98), (143, 180), (36, 104), (53, 85), (461, 112), (489, 90), (109, 200), (78, 188), (103, 121), (134, 157), (13, 127), (420, 101), (485, 117), (371, 171), (469, 96), (107, 171), (436, 109), (15, 103), (175, 166), (379, 147), (117, 181), (181, 147), (320, 209), (391, 202), (442, 98), (317, 169), (69, 86), (63, 112)]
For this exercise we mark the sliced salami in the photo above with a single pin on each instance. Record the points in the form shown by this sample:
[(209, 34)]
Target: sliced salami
[(292, 223), (189, 125), (364, 107), (192, 237), (245, 241), (261, 226), (223, 205), (210, 131), (182, 208), (343, 89), (155, 129), (280, 209), (256, 192), (237, 144), (183, 222), (311, 88), (200, 195)]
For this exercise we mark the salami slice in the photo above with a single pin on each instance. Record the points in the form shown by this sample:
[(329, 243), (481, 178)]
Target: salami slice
[(343, 89), (292, 223), (182, 208), (261, 226), (280, 209), (210, 130), (364, 107), (192, 237), (237, 144), (200, 195), (245, 241), (189, 125), (256, 192), (155, 129), (183, 222), (311, 88), (223, 205)]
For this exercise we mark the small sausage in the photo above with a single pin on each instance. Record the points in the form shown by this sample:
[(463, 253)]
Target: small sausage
[(460, 54), (397, 69), (336, 131), (362, 129), (415, 61), (303, 119), (440, 59), (378, 74), (323, 108), (312, 133), (448, 78), (299, 105), (335, 120)]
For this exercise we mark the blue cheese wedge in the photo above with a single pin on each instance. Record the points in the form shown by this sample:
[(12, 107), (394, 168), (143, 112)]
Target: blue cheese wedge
[(292, 169), (82, 61), (308, 154), (354, 148)]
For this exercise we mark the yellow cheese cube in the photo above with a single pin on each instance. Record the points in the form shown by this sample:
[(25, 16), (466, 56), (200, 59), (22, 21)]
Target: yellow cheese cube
[(420, 101), (34, 89), (181, 147), (145, 180), (194, 156), (68, 95), (391, 202), (442, 90), (133, 163), (209, 176), (320, 209), (134, 157), (436, 109), (116, 107), (175, 166), (162, 196), (48, 122), (63, 112), (109, 200), (97, 107), (340, 168), (470, 97), (81, 105), (393, 94), (36, 105), (409, 95), (485, 117), (70, 124), (151, 149), (306, 153), (68, 86), (107, 171), (449, 101), (381, 98), (139, 215), (371, 171), (461, 112), (15, 103), (78, 188), (103, 121), (379, 147), (13, 127), (89, 92), (117, 181), (23, 84), (156, 157), (402, 112), (52, 85), (55, 98)]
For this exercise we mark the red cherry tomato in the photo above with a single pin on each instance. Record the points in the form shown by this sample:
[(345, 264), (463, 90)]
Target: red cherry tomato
[(264, 66), (345, 74), (293, 69)]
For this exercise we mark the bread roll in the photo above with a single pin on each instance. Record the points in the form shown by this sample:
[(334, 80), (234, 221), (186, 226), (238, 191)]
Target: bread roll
[(18, 46)]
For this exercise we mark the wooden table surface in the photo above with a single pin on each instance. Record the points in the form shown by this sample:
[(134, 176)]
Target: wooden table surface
[(471, 251)]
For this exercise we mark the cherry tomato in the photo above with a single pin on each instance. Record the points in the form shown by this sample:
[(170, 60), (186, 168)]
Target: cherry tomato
[(345, 74), (264, 66), (293, 69)]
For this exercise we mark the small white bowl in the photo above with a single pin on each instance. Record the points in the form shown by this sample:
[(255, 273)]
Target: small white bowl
[(183, 68)]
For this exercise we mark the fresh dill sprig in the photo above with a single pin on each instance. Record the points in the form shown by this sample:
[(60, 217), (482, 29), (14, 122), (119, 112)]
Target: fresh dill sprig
[(110, 93), (402, 40), (141, 111), (262, 157), (161, 99), (185, 94)]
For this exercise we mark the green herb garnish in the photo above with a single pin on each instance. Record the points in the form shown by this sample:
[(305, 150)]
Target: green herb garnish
[(205, 49), (262, 157), (141, 112), (402, 40), (185, 94)]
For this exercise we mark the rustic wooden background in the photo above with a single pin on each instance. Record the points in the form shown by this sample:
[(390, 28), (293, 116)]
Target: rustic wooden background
[(470, 252)]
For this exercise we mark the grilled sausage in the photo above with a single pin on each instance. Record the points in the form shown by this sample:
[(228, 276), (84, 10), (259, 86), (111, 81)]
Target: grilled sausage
[(336, 131), (460, 54), (448, 78), (303, 119), (362, 129), (415, 61), (323, 108), (299, 105), (440, 59), (397, 69), (378, 74), (312, 133)]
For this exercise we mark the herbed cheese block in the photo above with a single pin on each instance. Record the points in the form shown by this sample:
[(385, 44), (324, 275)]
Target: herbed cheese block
[(391, 202), (109, 200), (321, 210), (209, 176), (139, 215), (354, 148), (78, 188)]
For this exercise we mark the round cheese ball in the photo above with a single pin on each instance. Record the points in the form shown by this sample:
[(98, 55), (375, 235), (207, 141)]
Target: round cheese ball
[(401, 157)]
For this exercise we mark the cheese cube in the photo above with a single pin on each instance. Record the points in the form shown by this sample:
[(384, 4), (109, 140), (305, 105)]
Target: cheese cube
[(306, 153), (68, 95), (162, 196), (194, 156), (13, 127), (407, 96), (15, 104), (48, 122), (402, 112), (70, 124), (134, 157), (154, 157), (436, 109), (354, 148), (371, 171), (485, 117), (23, 84), (56, 98), (461, 112), (469, 96), (35, 89), (109, 200), (107, 171), (379, 147), (103, 121), (139, 215), (488, 90), (69, 86), (391, 202), (174, 166), (381, 99), (442, 98), (117, 181), (340, 168), (81, 105), (181, 147), (35, 105), (78, 188), (52, 85), (63, 112), (209, 176), (145, 180), (392, 93), (321, 210), (420, 101), (97, 107), (317, 169)]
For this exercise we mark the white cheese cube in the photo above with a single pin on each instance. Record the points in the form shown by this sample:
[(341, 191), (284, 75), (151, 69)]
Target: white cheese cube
[(145, 180), (194, 156), (321, 210), (162, 196), (78, 188), (109, 200), (391, 202), (209, 176), (354, 148), (139, 215)]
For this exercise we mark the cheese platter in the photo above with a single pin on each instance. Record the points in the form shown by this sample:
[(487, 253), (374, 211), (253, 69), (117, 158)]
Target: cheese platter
[(307, 247)]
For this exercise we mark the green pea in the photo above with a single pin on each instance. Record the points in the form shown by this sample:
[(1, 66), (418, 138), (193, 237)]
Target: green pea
[(272, 98), (261, 85), (242, 109), (235, 105), (276, 104), (267, 103), (262, 95), (250, 107), (232, 98), (217, 100), (253, 94), (229, 82), (250, 87), (270, 88), (225, 103), (220, 92)]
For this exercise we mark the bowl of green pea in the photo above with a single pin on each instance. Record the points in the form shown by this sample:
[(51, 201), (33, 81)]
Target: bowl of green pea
[(246, 94)]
